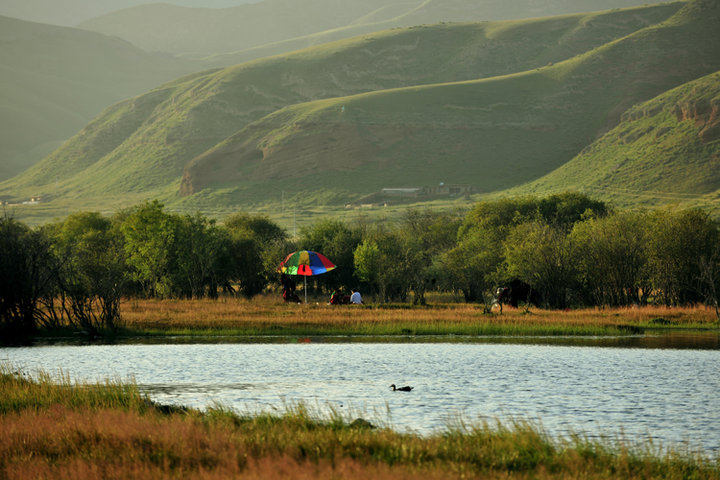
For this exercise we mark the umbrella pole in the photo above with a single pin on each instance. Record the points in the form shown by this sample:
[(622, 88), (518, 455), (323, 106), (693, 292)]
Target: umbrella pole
[(305, 287)]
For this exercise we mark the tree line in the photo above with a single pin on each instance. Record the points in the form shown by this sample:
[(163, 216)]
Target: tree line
[(572, 250)]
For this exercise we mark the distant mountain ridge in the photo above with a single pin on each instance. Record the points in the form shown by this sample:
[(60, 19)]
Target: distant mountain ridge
[(206, 32), (492, 104), (54, 80)]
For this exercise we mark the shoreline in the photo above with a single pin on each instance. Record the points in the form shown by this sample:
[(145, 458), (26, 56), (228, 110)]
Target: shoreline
[(266, 320)]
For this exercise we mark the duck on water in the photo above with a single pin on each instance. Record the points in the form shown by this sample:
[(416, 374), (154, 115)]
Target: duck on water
[(401, 389)]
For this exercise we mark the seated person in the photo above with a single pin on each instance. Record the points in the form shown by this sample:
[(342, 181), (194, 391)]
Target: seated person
[(291, 297), (355, 298), (337, 298)]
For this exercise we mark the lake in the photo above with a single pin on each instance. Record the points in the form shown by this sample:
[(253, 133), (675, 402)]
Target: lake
[(668, 394)]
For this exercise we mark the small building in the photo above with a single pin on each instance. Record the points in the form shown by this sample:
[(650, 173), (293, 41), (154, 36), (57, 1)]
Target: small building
[(451, 189), (403, 191), (33, 200)]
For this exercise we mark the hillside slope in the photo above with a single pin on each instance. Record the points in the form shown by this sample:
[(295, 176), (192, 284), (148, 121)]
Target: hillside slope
[(666, 149), (293, 23), (144, 144), (54, 80), (493, 133)]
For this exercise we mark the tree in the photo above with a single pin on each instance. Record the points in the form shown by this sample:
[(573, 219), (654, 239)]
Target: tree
[(335, 240), (679, 243), (26, 264), (92, 273), (378, 262), (257, 245), (201, 257), (425, 235), (149, 235), (563, 210), (471, 266), (611, 256), (540, 255)]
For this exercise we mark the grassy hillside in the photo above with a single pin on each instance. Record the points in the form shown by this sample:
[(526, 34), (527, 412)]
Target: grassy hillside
[(142, 146), (494, 133), (54, 80), (667, 149), (280, 26), (494, 105)]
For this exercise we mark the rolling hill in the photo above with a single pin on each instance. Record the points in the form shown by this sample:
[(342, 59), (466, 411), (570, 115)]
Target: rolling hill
[(666, 149), (493, 133), (143, 145), (278, 26), (54, 80), (493, 105)]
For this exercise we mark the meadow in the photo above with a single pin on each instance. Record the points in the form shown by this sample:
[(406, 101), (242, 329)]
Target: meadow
[(54, 428), (268, 316)]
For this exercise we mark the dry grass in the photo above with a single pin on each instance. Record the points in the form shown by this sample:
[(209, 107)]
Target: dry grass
[(268, 315), (79, 439)]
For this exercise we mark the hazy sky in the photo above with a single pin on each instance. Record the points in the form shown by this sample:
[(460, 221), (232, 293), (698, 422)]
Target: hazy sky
[(72, 12)]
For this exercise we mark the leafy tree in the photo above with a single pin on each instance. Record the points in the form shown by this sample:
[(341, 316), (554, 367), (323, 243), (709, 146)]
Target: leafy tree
[(259, 227), (92, 275), (611, 256), (471, 266), (378, 261), (26, 264), (255, 245), (541, 256), (563, 210), (709, 266), (202, 254), (425, 236), (149, 234), (502, 214), (680, 243), (337, 242)]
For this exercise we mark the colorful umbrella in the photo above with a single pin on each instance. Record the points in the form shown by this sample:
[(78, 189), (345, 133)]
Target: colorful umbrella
[(305, 263)]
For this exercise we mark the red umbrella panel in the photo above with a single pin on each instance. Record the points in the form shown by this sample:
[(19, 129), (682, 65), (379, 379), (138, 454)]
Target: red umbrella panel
[(306, 263)]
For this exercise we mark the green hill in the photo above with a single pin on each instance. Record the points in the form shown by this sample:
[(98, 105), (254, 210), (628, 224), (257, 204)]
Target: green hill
[(492, 105), (54, 80), (143, 145), (493, 133), (278, 26), (666, 149)]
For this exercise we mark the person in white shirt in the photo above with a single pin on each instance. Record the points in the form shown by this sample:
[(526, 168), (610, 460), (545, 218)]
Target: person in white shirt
[(355, 297)]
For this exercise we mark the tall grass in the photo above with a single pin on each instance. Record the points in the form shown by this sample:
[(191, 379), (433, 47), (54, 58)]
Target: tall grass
[(268, 316), (21, 390), (76, 436)]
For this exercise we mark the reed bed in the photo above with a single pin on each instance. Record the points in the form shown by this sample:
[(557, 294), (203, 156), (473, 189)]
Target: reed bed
[(77, 436), (268, 316)]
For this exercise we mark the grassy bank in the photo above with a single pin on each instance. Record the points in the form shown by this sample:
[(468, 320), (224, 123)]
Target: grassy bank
[(53, 428), (268, 316)]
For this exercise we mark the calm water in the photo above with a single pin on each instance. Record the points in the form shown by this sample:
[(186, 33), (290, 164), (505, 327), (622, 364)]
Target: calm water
[(669, 394)]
